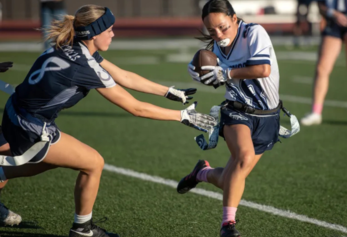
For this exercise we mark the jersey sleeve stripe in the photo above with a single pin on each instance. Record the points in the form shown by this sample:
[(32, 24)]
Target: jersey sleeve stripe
[(258, 62), (262, 58), (261, 55)]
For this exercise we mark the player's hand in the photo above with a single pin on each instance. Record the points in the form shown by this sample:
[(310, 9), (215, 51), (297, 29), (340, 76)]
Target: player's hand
[(193, 74), (192, 118), (340, 19), (5, 66), (181, 95), (217, 75)]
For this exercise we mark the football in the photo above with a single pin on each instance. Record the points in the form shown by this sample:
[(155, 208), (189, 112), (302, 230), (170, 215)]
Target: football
[(204, 57)]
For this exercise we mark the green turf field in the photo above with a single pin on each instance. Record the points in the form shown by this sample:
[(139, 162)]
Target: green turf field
[(305, 175)]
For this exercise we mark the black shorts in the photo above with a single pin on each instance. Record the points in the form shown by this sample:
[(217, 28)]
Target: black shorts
[(264, 128), (334, 30)]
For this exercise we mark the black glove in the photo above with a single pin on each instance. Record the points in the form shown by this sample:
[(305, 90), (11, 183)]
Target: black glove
[(180, 94)]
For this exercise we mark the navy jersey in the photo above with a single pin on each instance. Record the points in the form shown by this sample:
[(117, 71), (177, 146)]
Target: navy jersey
[(59, 79)]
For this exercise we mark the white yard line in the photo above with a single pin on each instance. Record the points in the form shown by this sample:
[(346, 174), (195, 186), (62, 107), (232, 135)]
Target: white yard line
[(303, 80), (218, 196)]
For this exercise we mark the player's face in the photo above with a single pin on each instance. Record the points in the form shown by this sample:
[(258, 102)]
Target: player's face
[(103, 40), (221, 26)]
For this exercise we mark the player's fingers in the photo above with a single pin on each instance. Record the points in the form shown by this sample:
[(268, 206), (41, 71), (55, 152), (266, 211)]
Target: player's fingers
[(216, 82), (191, 66), (208, 75), (192, 72), (190, 91), (209, 81), (208, 67)]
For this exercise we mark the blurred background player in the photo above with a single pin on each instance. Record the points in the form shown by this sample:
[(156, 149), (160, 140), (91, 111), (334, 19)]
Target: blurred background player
[(59, 79), (250, 114), (334, 34), (302, 26), (50, 10), (7, 217)]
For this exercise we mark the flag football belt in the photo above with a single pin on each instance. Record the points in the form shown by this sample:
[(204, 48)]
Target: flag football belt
[(250, 110), (213, 134)]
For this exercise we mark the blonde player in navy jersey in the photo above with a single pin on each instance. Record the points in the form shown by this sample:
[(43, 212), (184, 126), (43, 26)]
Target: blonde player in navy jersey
[(59, 79), (249, 115)]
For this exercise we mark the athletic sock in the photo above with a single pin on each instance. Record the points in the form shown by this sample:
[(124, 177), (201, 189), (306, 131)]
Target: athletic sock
[(202, 174), (79, 219), (229, 214), (317, 108)]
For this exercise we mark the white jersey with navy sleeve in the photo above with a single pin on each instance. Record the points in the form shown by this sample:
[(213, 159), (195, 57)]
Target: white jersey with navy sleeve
[(252, 46)]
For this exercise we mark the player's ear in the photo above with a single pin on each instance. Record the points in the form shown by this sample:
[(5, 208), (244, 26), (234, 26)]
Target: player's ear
[(234, 18)]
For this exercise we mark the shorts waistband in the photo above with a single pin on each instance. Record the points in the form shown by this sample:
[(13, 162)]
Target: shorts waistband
[(250, 110), (14, 112)]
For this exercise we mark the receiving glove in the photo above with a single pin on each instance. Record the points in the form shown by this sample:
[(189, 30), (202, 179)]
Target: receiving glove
[(180, 94), (217, 76), (192, 118)]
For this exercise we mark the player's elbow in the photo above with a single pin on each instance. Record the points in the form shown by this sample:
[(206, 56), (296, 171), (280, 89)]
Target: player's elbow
[(265, 70), (139, 110)]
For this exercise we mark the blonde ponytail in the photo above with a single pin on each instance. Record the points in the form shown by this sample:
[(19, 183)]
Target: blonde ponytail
[(61, 32)]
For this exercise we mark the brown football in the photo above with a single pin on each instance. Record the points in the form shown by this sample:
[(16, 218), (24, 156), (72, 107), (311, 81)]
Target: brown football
[(204, 57)]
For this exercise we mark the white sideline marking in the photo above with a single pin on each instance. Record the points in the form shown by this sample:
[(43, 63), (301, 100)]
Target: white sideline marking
[(218, 196)]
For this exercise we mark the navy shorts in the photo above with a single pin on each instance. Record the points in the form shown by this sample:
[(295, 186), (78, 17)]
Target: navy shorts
[(334, 30), (22, 133), (264, 128)]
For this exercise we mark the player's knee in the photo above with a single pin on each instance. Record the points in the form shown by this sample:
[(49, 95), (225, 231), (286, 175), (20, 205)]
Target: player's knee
[(100, 162), (245, 161), (323, 70), (96, 164)]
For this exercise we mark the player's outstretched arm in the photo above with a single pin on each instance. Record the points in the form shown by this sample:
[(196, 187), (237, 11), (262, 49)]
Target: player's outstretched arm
[(136, 82), (188, 116)]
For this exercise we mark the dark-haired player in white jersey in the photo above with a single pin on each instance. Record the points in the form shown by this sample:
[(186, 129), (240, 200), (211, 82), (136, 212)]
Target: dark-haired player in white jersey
[(249, 115), (59, 79)]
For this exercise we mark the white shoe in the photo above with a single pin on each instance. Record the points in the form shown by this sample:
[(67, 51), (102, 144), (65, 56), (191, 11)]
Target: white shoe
[(311, 119), (7, 217)]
